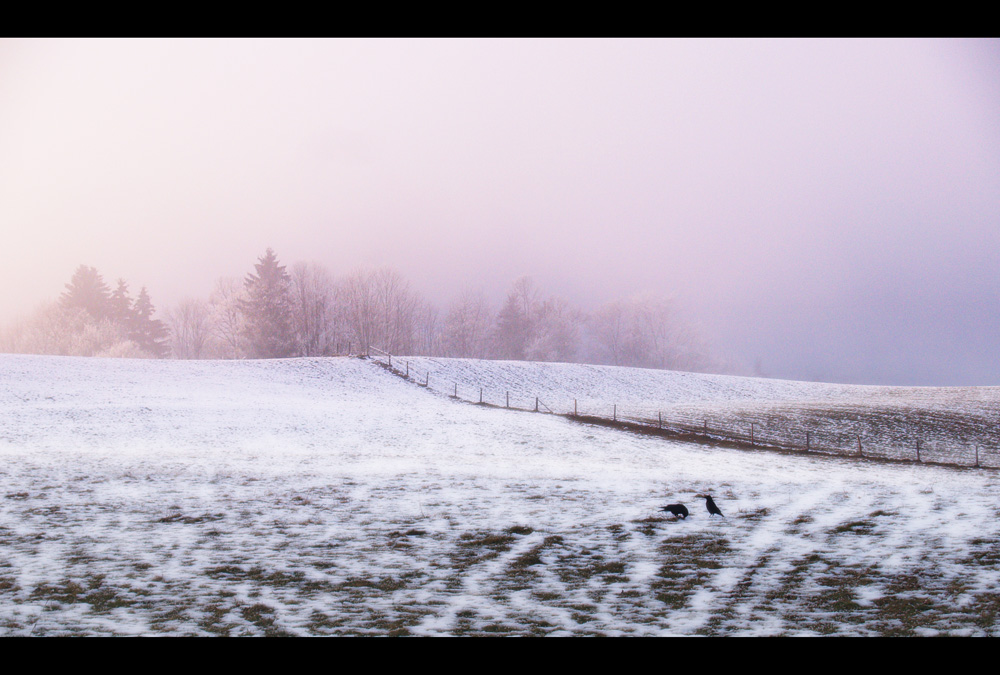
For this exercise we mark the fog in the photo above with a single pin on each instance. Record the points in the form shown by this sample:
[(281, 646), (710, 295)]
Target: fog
[(828, 209)]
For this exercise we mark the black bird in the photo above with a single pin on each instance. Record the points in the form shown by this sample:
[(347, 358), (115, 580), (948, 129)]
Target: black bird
[(710, 504), (679, 510)]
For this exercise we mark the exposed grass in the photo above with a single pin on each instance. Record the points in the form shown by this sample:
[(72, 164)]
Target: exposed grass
[(581, 577)]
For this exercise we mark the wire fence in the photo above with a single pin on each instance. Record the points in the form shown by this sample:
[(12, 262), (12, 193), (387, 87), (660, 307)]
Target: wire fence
[(898, 434)]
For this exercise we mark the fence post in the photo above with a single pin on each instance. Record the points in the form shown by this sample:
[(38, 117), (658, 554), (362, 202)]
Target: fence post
[(456, 390), (659, 417), (407, 368), (977, 456), (751, 434), (807, 441), (574, 407), (615, 414), (706, 427), (536, 404), (508, 399), (860, 454), (480, 394), (427, 379)]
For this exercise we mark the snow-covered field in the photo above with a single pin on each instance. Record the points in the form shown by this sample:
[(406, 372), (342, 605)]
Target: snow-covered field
[(948, 423), (328, 496)]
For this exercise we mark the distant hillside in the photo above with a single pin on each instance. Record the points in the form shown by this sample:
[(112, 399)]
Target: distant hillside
[(948, 422)]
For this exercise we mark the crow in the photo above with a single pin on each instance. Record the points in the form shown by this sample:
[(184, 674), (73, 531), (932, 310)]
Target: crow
[(710, 505), (679, 510)]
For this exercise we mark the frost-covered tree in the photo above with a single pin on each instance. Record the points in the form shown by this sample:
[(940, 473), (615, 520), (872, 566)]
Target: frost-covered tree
[(150, 334), (515, 322), (556, 332), (90, 320), (397, 306), (267, 310), (608, 329), (648, 331), (87, 290), (71, 331), (190, 328), (380, 310), (467, 325), (314, 309), (120, 308), (427, 338), (228, 329)]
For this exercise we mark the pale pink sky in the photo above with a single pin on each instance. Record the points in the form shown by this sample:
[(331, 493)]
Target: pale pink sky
[(830, 206)]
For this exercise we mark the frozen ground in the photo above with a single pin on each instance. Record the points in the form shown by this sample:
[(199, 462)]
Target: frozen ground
[(948, 424), (327, 496)]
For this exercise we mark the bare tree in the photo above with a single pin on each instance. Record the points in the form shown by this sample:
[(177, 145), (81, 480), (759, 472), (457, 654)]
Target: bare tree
[(359, 308), (649, 331), (190, 328), (467, 325), (314, 309), (227, 319), (427, 336), (397, 306), (380, 309), (608, 327), (652, 318), (556, 332)]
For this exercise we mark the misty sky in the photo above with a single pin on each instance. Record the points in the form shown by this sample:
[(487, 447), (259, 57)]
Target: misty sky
[(829, 207)]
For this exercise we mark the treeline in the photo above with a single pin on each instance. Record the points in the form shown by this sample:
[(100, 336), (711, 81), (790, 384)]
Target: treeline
[(90, 319), (304, 310)]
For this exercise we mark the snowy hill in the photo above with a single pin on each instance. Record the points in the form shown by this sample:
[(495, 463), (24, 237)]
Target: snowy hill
[(948, 422), (328, 496)]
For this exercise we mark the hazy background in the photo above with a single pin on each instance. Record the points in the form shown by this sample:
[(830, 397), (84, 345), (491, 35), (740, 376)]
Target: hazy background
[(828, 208)]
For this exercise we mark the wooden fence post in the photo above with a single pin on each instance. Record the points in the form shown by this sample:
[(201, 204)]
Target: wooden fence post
[(860, 454), (751, 434), (659, 417), (536, 404), (480, 394), (615, 414), (574, 407), (407, 368), (427, 379), (456, 390), (508, 399), (807, 441)]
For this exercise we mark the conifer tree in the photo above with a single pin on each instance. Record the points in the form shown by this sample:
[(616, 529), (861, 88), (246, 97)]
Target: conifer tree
[(87, 290), (149, 333), (515, 327), (268, 310), (120, 305)]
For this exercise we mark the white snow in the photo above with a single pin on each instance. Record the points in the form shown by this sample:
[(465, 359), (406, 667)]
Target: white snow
[(328, 496)]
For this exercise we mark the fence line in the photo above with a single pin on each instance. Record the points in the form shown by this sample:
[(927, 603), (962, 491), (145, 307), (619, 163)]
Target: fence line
[(752, 433)]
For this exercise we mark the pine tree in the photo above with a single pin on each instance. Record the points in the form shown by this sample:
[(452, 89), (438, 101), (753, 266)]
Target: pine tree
[(120, 305), (87, 290), (268, 310), (149, 333), (515, 323), (510, 337)]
